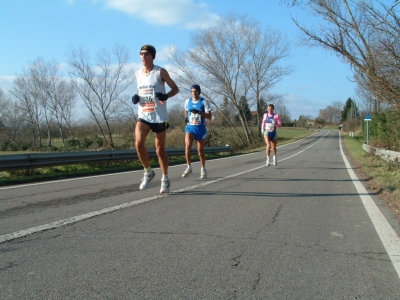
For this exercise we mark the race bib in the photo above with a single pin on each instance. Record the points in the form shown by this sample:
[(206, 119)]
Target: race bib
[(270, 126), (195, 119), (147, 100)]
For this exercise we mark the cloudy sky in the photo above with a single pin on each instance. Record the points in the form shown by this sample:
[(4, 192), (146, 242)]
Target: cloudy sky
[(49, 28)]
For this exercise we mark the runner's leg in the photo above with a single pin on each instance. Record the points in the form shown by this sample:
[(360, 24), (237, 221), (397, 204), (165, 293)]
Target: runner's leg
[(160, 150), (200, 150), (273, 142), (189, 138), (268, 143), (141, 132)]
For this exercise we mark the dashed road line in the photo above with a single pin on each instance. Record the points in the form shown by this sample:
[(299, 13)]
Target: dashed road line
[(52, 225)]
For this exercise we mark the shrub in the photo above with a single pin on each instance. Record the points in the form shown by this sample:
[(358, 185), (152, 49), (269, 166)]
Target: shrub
[(175, 138), (385, 130), (86, 142), (73, 143)]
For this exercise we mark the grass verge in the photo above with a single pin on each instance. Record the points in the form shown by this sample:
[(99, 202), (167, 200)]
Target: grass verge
[(286, 135), (382, 177)]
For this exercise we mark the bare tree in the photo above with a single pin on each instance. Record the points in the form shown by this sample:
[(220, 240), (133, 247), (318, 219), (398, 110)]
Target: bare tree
[(4, 103), (176, 115), (101, 86), (12, 121), (332, 113), (222, 60), (366, 35), (262, 70), (62, 98), (291, 2), (31, 98), (4, 110), (38, 74), (188, 72)]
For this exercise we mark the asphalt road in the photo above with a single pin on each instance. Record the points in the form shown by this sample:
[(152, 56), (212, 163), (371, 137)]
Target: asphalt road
[(304, 229)]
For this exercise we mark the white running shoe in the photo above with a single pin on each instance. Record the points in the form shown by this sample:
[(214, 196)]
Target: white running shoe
[(187, 172), (146, 179), (275, 161), (267, 163), (203, 174), (165, 184)]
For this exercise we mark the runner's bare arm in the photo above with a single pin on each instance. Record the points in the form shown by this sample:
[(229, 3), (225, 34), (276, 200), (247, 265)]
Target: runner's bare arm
[(168, 80), (206, 114)]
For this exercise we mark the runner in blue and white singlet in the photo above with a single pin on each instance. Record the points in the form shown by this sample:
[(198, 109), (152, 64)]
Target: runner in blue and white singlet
[(197, 110), (196, 123)]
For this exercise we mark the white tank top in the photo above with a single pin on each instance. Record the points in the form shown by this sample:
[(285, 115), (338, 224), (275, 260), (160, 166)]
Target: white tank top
[(150, 109)]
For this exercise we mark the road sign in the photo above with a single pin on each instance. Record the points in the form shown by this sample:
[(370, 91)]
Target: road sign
[(367, 119)]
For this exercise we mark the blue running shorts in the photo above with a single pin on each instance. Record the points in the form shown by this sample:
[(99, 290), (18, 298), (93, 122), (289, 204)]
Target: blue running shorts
[(199, 131), (272, 135)]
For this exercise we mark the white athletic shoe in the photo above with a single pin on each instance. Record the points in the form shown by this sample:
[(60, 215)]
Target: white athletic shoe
[(165, 184), (146, 179), (275, 161), (203, 174), (267, 163), (187, 172)]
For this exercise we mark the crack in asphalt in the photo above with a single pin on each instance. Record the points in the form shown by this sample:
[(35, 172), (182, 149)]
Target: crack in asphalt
[(237, 260), (256, 281), (8, 266), (276, 214)]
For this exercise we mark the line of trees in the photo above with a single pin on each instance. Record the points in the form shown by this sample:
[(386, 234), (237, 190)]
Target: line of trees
[(366, 35), (236, 62), (42, 99)]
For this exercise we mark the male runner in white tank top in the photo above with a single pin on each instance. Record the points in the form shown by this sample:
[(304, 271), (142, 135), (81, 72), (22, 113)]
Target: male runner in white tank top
[(152, 114)]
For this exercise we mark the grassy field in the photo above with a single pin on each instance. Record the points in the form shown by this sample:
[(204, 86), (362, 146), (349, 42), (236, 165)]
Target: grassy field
[(289, 134)]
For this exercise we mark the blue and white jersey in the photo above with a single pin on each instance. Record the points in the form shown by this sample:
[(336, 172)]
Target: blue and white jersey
[(202, 105)]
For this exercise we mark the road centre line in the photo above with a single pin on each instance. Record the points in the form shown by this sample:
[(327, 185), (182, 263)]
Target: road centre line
[(64, 222), (386, 233)]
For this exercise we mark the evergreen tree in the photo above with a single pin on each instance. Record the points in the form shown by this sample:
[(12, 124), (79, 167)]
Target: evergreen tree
[(350, 110), (245, 109)]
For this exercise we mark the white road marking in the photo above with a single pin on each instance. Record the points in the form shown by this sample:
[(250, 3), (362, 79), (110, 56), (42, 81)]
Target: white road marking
[(22, 233), (388, 236)]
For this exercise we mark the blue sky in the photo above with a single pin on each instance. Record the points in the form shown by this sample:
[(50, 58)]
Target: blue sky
[(49, 28)]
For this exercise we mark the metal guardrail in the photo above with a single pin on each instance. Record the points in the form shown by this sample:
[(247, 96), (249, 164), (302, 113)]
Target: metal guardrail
[(40, 160), (384, 154)]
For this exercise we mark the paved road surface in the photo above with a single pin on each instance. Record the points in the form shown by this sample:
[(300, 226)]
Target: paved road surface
[(299, 230)]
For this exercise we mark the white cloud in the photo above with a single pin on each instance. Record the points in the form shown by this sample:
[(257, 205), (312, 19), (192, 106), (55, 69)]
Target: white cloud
[(166, 12), (6, 83)]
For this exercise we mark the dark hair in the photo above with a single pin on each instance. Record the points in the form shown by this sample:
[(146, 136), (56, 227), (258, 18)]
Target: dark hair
[(196, 87), (273, 107), (149, 48)]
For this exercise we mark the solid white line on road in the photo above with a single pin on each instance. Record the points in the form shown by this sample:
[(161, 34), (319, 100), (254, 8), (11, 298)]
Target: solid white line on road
[(388, 236), (22, 233)]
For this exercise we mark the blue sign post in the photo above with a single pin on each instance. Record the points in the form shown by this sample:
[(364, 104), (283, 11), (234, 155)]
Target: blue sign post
[(367, 119)]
